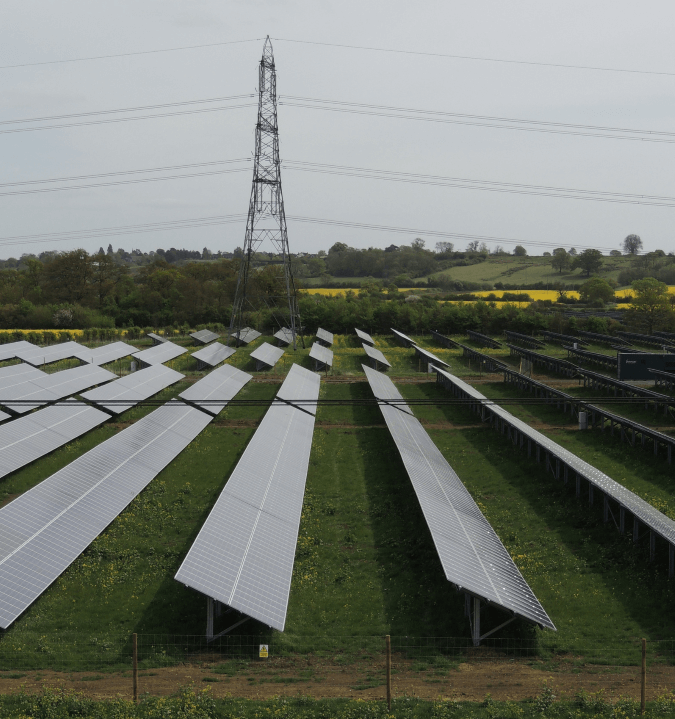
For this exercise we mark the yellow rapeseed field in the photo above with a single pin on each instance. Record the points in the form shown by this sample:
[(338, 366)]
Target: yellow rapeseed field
[(74, 333)]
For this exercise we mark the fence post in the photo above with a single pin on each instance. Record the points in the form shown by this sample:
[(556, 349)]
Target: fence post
[(388, 641), (134, 641), (643, 689)]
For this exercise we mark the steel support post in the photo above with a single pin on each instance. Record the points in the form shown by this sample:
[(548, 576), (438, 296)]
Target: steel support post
[(636, 530), (671, 561), (652, 545), (209, 618), (475, 629), (605, 509), (622, 520)]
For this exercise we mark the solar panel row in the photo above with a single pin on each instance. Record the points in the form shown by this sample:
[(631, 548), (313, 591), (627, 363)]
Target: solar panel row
[(322, 356), (204, 336), (266, 356), (35, 435), (40, 389), (213, 355), (106, 353), (246, 335), (376, 356), (45, 529), (133, 388), (324, 336), (244, 553), (555, 454), (53, 353), (364, 337), (472, 556), (212, 393), (403, 339), (159, 354), (11, 349)]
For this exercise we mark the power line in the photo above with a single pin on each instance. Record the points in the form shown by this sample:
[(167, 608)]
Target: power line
[(500, 123), (129, 54), (127, 119), (226, 219), (123, 172), (478, 58), (487, 185)]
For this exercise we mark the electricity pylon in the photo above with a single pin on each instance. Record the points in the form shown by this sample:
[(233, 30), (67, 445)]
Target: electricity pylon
[(266, 282)]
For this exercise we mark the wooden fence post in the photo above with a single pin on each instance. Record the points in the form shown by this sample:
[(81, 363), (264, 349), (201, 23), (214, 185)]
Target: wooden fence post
[(388, 640), (643, 688), (134, 640)]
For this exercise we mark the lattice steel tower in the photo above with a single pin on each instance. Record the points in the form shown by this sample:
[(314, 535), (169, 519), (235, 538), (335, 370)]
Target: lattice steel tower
[(266, 282)]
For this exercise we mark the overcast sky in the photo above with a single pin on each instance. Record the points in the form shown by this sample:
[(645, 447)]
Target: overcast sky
[(616, 34)]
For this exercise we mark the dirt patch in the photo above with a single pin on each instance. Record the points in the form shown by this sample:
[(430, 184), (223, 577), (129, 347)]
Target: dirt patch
[(469, 681)]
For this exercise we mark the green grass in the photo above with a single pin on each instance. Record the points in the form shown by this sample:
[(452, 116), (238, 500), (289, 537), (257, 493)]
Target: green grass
[(365, 562)]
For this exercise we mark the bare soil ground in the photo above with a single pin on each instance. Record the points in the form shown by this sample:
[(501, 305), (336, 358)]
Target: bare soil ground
[(324, 678)]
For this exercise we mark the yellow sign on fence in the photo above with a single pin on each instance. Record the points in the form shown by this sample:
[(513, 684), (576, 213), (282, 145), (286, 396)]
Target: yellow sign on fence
[(264, 651)]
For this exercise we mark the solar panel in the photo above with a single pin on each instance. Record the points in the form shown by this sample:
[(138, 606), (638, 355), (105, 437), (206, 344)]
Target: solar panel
[(645, 512), (244, 553), (159, 353), (429, 356), (212, 393), (267, 355), (300, 384), (376, 355), (324, 336), (405, 340), (45, 529), (321, 355), (35, 435), (284, 335), (156, 339), (53, 387), (213, 355), (472, 556), (44, 355), (106, 353), (204, 336), (17, 373), (133, 388), (246, 335), (364, 337), (11, 349)]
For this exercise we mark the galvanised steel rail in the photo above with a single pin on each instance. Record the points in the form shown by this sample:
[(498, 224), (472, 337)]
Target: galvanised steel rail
[(604, 339), (560, 339), (649, 340), (595, 380), (629, 430), (483, 340), (609, 361), (445, 341), (524, 340), (663, 379), (553, 364), (563, 463)]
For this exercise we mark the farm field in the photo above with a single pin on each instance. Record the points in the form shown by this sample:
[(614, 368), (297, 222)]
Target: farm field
[(365, 563)]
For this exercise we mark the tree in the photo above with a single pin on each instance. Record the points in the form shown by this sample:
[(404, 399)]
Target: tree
[(615, 253), (338, 247), (650, 307), (632, 244), (519, 251), (590, 261), (561, 260), (418, 243), (444, 248), (596, 289), (573, 252)]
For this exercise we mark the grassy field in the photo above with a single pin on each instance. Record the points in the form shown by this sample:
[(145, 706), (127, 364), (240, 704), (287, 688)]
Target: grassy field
[(365, 562)]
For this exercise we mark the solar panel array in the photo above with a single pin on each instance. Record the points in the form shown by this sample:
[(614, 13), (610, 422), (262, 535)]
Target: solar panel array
[(246, 335), (156, 339), (376, 355), (106, 353), (284, 335), (204, 336), (324, 336), (321, 356), (244, 553), (212, 393), (429, 357), (45, 529), (213, 355), (267, 355), (11, 349), (645, 512), (472, 556), (404, 339), (364, 337), (45, 355), (35, 435), (44, 388), (133, 388), (159, 353)]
